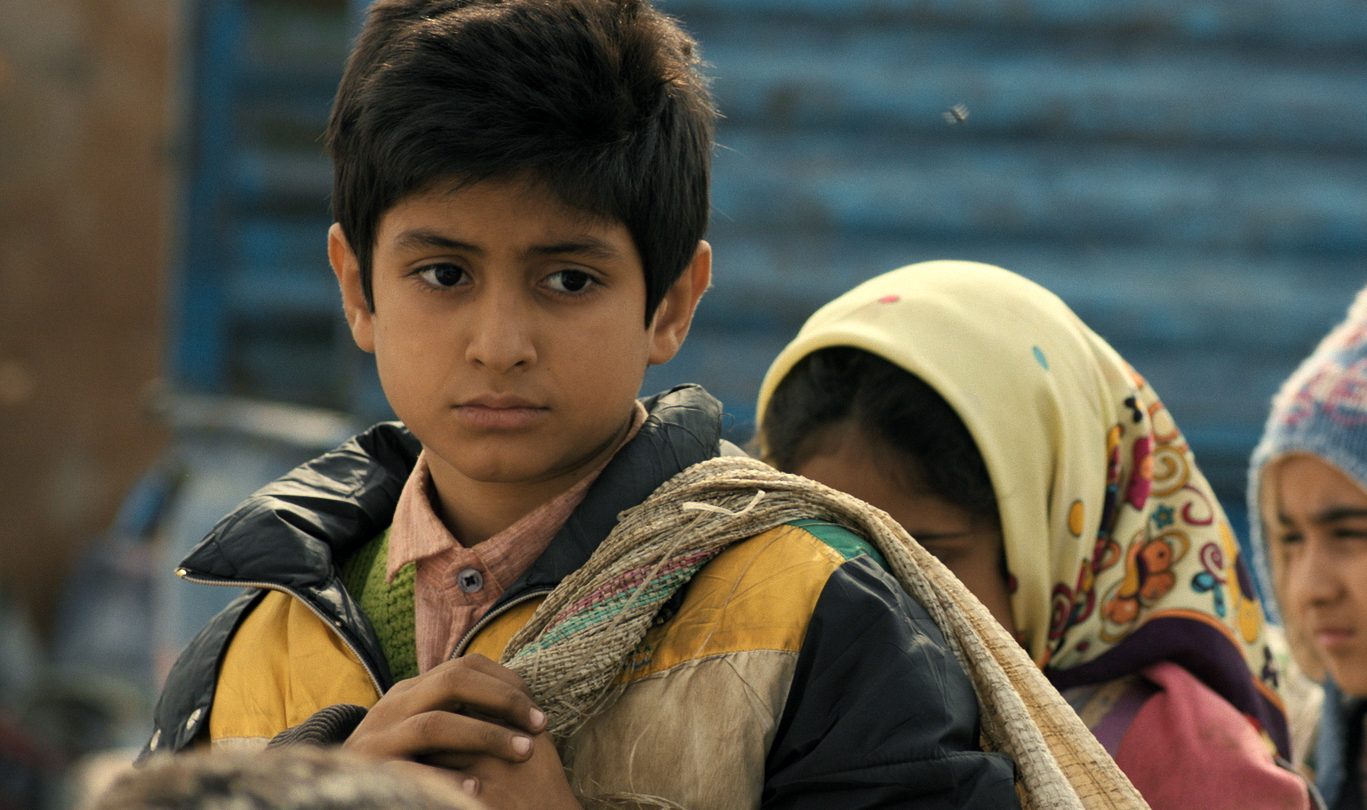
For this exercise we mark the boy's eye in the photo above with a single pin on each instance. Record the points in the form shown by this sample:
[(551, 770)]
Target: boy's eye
[(570, 281), (442, 275)]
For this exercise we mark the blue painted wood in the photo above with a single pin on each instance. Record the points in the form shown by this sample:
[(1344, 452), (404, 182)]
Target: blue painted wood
[(1312, 23), (903, 79), (265, 72), (268, 178), (1139, 296), (200, 351), (1187, 174), (1064, 191)]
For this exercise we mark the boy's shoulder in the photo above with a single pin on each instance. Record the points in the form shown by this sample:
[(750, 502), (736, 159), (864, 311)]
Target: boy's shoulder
[(321, 512), (840, 540), (290, 532), (775, 672), (704, 693), (758, 594)]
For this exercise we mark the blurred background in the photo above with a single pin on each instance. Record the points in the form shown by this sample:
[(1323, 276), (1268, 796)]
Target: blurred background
[(1189, 175)]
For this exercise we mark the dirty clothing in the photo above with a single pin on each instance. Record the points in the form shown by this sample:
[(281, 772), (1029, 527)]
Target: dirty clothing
[(792, 671)]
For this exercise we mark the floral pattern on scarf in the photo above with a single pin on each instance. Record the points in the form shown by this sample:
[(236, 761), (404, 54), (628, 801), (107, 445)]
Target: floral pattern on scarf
[(1119, 554)]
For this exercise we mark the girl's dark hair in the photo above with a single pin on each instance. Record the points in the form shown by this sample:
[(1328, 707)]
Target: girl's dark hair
[(891, 405)]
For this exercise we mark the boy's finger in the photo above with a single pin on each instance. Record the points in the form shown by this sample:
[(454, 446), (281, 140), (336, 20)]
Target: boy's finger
[(422, 736), (471, 687), (434, 772), (434, 733), (489, 667), (449, 761)]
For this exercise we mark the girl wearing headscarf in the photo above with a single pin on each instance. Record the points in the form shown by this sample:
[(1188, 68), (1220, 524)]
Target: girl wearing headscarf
[(1018, 447), (1308, 497)]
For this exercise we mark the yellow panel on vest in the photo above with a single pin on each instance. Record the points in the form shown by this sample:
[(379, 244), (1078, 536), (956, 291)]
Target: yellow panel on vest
[(491, 641), (270, 678), (757, 595)]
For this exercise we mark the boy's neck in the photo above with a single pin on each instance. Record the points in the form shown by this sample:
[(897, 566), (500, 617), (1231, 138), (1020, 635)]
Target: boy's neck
[(475, 511)]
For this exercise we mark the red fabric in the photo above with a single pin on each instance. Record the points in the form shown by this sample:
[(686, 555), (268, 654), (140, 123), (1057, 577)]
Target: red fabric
[(1190, 749)]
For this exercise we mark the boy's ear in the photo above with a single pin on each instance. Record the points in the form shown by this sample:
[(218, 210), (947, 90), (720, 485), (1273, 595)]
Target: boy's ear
[(672, 318), (354, 304)]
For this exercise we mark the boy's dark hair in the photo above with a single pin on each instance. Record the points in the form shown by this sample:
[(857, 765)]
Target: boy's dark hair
[(890, 404), (599, 100)]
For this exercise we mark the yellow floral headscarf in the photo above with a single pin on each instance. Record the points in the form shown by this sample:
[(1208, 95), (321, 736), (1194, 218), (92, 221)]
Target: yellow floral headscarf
[(1119, 553)]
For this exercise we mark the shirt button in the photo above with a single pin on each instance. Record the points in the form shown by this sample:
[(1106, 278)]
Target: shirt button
[(471, 580)]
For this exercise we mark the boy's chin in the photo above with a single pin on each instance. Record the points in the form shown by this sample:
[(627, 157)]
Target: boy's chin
[(508, 470), (531, 458)]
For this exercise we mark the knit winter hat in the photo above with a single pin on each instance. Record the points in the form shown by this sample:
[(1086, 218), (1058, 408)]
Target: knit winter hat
[(1321, 409)]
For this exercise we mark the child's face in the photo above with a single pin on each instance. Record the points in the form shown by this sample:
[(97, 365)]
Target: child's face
[(1318, 542), (509, 330), (971, 549)]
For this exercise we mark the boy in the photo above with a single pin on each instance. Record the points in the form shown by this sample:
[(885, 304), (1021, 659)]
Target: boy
[(520, 195)]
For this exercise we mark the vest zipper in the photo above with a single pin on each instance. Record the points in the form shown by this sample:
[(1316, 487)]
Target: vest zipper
[(494, 614), (332, 624)]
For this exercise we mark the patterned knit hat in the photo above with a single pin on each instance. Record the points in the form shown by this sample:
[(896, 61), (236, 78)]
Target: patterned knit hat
[(1321, 409)]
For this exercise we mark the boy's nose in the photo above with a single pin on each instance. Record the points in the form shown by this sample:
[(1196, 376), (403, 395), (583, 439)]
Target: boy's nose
[(501, 335)]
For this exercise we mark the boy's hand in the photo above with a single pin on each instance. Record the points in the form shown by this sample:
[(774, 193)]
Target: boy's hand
[(455, 714), (537, 784), (476, 720)]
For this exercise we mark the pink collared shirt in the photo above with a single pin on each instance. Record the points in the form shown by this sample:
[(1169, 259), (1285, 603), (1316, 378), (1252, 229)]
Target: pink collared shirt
[(455, 585)]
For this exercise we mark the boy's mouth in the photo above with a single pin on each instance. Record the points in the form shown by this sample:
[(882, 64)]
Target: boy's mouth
[(500, 412)]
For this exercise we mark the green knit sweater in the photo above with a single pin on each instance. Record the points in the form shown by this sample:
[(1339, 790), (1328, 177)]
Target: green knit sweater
[(388, 605)]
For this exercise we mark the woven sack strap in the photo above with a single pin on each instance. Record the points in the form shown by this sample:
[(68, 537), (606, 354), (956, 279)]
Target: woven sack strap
[(583, 635)]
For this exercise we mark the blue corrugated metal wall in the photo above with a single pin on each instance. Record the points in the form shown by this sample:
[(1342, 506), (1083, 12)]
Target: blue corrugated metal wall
[(259, 313), (1191, 176)]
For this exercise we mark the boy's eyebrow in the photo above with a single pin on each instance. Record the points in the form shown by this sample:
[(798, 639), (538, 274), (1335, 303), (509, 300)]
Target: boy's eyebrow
[(587, 246), (424, 238)]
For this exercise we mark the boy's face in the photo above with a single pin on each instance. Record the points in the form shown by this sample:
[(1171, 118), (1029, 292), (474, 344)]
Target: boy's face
[(509, 330)]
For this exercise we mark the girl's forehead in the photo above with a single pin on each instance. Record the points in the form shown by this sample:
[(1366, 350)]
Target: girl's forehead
[(1307, 483)]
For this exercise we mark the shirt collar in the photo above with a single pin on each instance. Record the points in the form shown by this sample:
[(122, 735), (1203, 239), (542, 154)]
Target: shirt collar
[(418, 532)]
